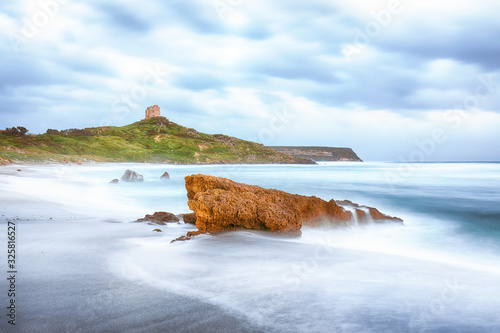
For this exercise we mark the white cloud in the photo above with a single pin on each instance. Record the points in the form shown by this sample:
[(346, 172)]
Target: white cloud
[(234, 76)]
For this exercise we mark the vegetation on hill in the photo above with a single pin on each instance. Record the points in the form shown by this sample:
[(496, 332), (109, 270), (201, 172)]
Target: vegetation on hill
[(15, 131), (156, 140)]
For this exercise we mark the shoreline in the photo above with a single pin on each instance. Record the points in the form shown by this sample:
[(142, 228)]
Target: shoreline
[(87, 162), (90, 268), (69, 284)]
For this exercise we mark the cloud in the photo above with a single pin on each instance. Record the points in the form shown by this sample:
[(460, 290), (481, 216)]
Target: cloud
[(197, 81), (234, 73), (125, 19)]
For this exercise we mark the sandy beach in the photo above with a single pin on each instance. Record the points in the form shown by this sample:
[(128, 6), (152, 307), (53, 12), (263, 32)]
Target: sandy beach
[(64, 283), (83, 265)]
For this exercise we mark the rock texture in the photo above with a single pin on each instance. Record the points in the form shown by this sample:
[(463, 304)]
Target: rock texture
[(319, 153), (189, 218), (221, 204), (365, 214), (4, 160), (189, 235), (132, 176), (160, 218)]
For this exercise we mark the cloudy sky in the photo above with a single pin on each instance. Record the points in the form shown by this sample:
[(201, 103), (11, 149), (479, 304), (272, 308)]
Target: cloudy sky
[(394, 80)]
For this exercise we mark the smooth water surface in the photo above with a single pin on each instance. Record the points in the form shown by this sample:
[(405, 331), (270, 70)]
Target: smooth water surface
[(83, 257)]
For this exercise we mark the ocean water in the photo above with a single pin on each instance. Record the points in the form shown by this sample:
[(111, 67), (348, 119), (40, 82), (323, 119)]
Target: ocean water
[(84, 266)]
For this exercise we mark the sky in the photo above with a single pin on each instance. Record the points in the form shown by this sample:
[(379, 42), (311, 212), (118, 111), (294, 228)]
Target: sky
[(395, 80)]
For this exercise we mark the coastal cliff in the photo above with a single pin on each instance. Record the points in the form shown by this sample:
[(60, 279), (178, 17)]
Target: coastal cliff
[(319, 153)]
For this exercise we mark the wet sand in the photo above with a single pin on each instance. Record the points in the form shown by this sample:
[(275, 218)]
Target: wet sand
[(64, 285)]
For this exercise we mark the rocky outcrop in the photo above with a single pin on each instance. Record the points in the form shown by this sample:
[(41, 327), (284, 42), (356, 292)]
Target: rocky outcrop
[(132, 176), (4, 160), (221, 204), (319, 153), (160, 218), (165, 176)]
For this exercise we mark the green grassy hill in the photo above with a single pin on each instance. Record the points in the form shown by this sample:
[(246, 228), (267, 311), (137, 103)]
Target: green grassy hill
[(156, 140)]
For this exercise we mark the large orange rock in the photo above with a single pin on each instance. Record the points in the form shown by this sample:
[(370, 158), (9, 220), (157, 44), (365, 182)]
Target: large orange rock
[(222, 204)]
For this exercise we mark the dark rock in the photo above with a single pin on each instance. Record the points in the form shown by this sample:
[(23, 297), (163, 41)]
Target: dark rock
[(158, 230), (189, 218), (132, 176), (160, 218), (182, 238), (189, 235), (165, 175)]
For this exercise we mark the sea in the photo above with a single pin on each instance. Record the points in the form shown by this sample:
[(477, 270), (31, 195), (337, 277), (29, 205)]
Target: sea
[(84, 265)]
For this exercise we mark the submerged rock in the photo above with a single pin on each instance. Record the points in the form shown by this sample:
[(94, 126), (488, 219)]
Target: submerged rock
[(189, 235), (160, 218), (132, 176), (365, 214), (165, 176), (221, 204), (114, 181), (189, 218)]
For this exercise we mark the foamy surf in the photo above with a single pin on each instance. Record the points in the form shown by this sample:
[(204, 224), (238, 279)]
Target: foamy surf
[(436, 272)]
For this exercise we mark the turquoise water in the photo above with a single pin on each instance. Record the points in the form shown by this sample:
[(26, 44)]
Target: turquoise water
[(437, 273)]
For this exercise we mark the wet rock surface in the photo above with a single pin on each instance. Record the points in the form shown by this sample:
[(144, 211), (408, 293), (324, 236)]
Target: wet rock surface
[(132, 176), (221, 204), (160, 218)]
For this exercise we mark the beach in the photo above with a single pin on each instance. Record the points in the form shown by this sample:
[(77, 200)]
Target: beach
[(84, 265)]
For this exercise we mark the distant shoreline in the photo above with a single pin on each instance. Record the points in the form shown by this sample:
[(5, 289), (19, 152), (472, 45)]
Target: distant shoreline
[(320, 153)]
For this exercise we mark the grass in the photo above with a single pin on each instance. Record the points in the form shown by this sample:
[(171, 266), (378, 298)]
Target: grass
[(155, 140)]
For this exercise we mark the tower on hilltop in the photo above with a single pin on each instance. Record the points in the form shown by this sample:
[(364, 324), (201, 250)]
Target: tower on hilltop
[(152, 111)]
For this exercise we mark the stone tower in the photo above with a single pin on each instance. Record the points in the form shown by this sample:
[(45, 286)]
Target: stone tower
[(152, 111)]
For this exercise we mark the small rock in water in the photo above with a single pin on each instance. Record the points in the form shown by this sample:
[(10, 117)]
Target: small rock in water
[(182, 238), (189, 218), (188, 236), (114, 181), (165, 175), (160, 218), (132, 176), (158, 230), (18, 169)]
